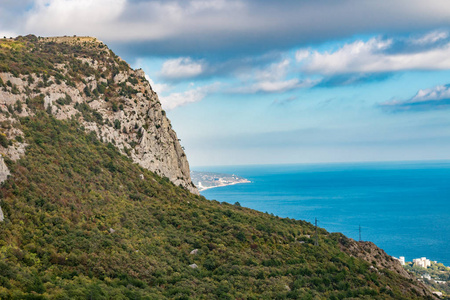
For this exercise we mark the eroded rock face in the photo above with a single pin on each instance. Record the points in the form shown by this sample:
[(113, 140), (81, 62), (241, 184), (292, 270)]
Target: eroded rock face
[(126, 113), (4, 173)]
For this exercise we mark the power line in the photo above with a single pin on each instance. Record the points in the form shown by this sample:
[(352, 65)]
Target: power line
[(360, 233), (316, 239)]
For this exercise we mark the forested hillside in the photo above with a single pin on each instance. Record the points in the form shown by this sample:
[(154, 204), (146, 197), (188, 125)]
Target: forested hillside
[(83, 220)]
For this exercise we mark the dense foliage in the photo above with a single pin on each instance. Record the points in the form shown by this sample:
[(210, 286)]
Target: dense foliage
[(33, 55), (82, 223), (46, 61)]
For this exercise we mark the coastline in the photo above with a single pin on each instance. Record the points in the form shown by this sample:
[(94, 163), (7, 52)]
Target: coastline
[(308, 192), (222, 185)]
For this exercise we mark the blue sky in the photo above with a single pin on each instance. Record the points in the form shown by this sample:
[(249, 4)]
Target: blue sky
[(266, 82)]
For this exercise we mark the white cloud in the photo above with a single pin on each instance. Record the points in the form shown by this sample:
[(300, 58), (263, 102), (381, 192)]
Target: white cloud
[(439, 92), (125, 20), (358, 56), (302, 54), (178, 99), (437, 97), (275, 86), (272, 79), (159, 88), (190, 96), (275, 71), (372, 56), (225, 26), (430, 38), (183, 67), (80, 17)]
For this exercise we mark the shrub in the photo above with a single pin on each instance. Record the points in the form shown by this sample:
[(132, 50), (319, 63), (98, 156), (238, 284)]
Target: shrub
[(116, 124), (4, 140)]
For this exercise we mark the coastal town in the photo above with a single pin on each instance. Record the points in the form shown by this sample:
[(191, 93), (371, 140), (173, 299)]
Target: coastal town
[(432, 273), (208, 180)]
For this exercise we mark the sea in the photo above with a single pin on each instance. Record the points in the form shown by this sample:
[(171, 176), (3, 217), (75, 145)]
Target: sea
[(402, 207)]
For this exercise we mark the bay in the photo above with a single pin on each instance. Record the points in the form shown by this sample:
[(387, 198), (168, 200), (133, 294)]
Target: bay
[(403, 207)]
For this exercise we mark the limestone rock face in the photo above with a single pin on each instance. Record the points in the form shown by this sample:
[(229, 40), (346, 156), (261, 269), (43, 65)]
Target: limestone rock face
[(120, 107), (4, 173)]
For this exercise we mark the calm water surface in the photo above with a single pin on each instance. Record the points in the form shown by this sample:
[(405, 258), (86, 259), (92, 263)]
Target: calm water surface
[(404, 208)]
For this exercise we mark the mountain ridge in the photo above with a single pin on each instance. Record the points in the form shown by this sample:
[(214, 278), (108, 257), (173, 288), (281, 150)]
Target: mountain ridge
[(82, 78), (83, 220)]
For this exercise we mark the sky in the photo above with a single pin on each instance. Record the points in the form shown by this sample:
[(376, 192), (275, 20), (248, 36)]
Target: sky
[(274, 82)]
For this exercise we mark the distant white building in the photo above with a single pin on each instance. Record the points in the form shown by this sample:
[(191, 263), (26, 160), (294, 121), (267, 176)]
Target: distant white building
[(422, 262), (401, 259)]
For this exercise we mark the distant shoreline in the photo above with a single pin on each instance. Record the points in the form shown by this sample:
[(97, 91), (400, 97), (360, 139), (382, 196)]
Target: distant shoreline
[(222, 185)]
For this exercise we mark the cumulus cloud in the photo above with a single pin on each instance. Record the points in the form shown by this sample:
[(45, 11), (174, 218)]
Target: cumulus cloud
[(226, 32), (358, 56), (174, 100), (181, 68), (271, 79), (274, 71), (437, 97), (379, 55)]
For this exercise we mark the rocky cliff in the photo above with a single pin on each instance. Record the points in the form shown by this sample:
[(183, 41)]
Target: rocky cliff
[(79, 77)]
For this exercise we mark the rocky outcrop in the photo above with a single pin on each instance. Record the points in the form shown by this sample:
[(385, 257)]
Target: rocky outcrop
[(4, 173), (108, 98)]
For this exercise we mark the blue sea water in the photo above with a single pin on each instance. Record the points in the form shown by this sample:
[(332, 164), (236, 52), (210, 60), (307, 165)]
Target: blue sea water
[(403, 207)]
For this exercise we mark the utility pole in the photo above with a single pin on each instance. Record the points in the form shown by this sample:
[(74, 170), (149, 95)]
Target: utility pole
[(316, 239), (360, 233)]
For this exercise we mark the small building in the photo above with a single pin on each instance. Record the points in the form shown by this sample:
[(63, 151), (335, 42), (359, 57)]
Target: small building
[(422, 262), (401, 259)]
